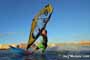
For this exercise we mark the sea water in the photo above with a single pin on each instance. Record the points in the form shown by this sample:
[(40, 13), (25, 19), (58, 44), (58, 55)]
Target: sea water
[(51, 54)]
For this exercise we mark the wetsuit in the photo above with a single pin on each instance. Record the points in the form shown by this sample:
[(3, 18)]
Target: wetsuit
[(43, 43)]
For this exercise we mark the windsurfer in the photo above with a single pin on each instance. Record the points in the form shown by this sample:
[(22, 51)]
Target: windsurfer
[(43, 44)]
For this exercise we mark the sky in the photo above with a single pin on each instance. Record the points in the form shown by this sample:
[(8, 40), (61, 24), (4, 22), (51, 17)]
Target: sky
[(70, 21)]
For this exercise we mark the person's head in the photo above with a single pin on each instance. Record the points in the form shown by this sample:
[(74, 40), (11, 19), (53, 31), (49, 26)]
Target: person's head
[(44, 32)]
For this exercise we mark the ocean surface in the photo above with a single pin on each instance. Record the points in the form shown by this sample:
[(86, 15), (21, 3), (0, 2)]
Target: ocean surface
[(54, 53)]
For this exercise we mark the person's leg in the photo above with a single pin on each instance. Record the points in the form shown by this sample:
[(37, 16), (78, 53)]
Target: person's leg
[(44, 48)]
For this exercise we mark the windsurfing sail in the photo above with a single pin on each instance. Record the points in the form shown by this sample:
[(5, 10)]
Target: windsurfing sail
[(39, 22)]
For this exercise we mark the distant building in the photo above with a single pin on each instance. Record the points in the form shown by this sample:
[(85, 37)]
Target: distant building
[(22, 45)]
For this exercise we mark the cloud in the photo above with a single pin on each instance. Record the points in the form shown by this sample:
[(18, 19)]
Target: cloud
[(71, 38), (11, 33), (83, 36), (1, 34)]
